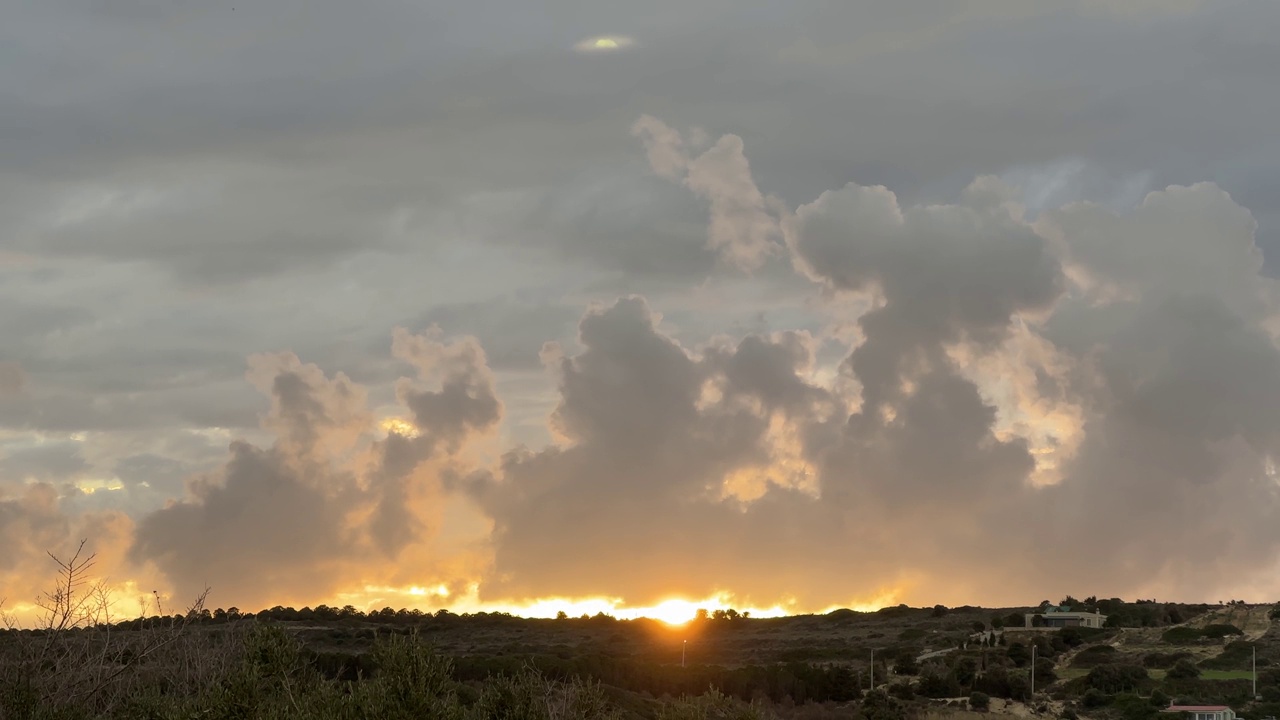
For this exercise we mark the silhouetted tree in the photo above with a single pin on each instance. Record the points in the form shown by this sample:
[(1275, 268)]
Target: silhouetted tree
[(1018, 654), (905, 663)]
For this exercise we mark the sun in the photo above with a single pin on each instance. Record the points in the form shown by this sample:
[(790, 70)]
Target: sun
[(672, 612), (603, 43), (399, 426)]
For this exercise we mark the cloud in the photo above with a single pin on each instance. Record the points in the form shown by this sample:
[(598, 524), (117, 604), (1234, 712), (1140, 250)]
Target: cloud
[(33, 523), (213, 185), (300, 519), (50, 462), (12, 378), (1011, 388), (743, 229), (996, 397)]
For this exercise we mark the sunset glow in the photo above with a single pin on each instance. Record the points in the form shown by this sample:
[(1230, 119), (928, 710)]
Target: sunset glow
[(675, 610)]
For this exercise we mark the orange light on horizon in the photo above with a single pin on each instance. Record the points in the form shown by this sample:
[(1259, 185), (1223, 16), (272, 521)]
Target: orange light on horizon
[(674, 611)]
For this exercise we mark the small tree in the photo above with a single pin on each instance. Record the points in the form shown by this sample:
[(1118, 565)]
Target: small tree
[(906, 664), (1184, 669), (1018, 654), (75, 660), (979, 701), (1160, 698)]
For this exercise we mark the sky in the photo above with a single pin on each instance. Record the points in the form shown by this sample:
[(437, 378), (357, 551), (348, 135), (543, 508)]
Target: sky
[(774, 304)]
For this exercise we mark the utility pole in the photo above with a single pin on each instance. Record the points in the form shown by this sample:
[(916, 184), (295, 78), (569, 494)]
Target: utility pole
[(1033, 670), (684, 649), (1255, 672), (872, 672)]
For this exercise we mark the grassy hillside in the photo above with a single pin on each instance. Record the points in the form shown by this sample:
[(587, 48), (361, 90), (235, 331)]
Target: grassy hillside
[(928, 662)]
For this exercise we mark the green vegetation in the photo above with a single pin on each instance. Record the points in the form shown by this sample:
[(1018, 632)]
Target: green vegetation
[(344, 663)]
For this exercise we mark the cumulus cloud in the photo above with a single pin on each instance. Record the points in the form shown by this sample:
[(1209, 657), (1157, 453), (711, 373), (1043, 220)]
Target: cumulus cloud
[(301, 518), (1013, 388), (33, 523), (1005, 409), (1023, 404), (743, 228)]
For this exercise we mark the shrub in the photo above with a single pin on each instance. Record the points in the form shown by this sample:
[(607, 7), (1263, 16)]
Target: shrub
[(1132, 707), (1093, 656), (979, 700), (902, 691), (1117, 677), (1219, 631), (1181, 635), (1163, 661), (1045, 672), (1184, 669), (529, 696), (1094, 698)]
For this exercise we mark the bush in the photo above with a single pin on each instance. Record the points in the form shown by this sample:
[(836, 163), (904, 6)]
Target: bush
[(1132, 707), (1181, 635), (1183, 670), (878, 705), (528, 696), (902, 691), (1019, 654), (1117, 678), (1217, 632), (1163, 661), (1045, 672), (1093, 656), (979, 701), (1236, 654), (1094, 698), (906, 664)]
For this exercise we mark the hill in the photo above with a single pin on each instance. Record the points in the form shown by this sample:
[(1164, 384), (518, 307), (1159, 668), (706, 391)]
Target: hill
[(925, 662)]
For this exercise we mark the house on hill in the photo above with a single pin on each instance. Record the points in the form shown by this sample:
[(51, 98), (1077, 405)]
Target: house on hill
[(1202, 712), (1060, 617)]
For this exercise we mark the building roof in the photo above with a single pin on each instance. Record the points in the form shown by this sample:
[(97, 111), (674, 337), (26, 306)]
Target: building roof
[(1196, 708), (1067, 613)]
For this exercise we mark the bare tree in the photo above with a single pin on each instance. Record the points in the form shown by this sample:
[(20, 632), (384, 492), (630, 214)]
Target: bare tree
[(77, 655)]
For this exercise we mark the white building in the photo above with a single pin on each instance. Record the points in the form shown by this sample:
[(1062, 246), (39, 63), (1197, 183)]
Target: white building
[(1203, 712), (1055, 617)]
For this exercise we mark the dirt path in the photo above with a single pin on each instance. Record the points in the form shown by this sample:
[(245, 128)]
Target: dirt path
[(1254, 621)]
